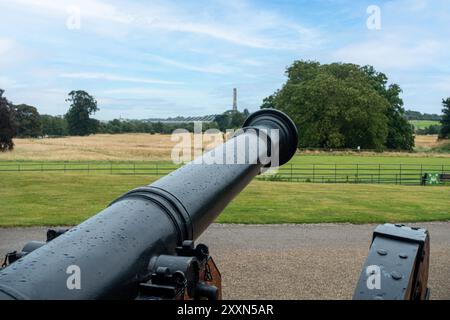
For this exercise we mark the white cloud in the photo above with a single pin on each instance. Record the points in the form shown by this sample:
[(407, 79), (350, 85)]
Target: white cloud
[(6, 45), (192, 96), (390, 53), (91, 9), (6, 82), (13, 58), (10, 52), (114, 77), (407, 5), (437, 83), (143, 102), (211, 30), (46, 101), (214, 68), (244, 25)]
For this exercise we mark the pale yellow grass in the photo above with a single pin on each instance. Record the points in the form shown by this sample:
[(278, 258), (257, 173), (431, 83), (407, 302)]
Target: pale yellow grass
[(119, 147), (142, 147), (429, 141)]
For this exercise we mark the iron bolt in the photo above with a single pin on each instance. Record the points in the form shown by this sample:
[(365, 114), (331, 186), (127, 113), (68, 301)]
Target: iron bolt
[(396, 275)]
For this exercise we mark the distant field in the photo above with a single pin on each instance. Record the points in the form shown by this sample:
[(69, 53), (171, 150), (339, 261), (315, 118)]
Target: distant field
[(322, 167), (30, 199), (422, 124), (431, 144), (102, 147), (427, 141), (151, 154), (154, 148)]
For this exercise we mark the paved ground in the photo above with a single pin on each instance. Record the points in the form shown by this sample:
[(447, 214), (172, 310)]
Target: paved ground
[(321, 261)]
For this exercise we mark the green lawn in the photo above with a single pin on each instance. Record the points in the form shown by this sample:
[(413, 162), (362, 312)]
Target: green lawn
[(383, 159), (422, 124), (34, 198), (383, 168), (322, 168), (299, 159)]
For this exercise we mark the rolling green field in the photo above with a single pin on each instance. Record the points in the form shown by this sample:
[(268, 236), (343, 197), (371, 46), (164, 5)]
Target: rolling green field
[(323, 167), (34, 198), (422, 124), (385, 159), (299, 159)]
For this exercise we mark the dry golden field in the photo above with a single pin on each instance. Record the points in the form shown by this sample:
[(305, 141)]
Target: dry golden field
[(108, 147), (429, 141), (147, 147)]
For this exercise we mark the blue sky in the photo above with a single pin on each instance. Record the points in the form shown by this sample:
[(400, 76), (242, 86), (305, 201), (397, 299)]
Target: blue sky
[(144, 59)]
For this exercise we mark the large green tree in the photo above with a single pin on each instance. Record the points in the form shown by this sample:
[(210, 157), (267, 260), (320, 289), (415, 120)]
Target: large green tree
[(28, 121), (343, 106), (7, 125), (78, 117), (269, 102), (445, 128), (400, 131)]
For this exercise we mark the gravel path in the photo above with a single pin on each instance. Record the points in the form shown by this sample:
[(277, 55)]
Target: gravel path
[(317, 261)]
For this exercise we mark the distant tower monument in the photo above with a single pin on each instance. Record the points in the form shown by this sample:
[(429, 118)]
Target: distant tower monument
[(234, 99)]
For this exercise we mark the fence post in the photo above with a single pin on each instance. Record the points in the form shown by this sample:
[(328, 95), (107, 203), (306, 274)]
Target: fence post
[(357, 173), (314, 172), (400, 180), (379, 173), (421, 174), (291, 174), (64, 167)]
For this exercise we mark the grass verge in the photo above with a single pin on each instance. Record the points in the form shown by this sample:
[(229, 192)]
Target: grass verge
[(37, 199)]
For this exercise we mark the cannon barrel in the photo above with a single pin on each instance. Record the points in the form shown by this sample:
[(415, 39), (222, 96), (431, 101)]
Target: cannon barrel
[(113, 248)]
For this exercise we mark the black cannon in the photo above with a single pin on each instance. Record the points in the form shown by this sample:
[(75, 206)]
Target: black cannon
[(141, 246), (397, 265)]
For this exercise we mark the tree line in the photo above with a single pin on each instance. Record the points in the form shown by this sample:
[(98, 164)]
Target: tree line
[(416, 115), (343, 105)]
